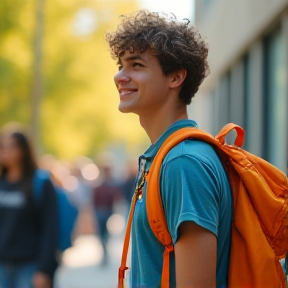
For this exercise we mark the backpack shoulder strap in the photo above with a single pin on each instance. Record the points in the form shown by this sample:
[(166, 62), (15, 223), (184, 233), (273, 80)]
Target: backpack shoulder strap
[(155, 212), (154, 207)]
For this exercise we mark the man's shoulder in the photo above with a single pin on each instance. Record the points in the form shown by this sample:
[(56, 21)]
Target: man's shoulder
[(195, 150), (195, 160)]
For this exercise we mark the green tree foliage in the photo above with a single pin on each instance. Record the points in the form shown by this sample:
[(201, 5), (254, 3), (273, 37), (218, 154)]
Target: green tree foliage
[(78, 111)]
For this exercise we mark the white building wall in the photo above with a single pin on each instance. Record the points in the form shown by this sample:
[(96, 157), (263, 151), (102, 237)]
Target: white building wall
[(231, 26)]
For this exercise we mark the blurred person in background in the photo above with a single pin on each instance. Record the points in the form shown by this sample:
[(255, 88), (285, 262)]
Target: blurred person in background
[(82, 194), (104, 197), (128, 185), (29, 231), (82, 197)]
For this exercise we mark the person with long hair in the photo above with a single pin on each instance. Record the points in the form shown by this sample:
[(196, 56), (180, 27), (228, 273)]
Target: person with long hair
[(29, 231)]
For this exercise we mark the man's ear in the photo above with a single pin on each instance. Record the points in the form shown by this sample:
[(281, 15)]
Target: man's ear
[(177, 78)]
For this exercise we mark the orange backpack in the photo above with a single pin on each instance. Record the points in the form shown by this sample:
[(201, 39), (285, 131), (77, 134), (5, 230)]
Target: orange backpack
[(260, 225)]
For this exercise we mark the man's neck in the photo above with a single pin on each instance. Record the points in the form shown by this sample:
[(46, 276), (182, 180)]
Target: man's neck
[(155, 124)]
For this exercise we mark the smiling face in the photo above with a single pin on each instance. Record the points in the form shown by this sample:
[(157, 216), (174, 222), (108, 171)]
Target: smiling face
[(142, 86)]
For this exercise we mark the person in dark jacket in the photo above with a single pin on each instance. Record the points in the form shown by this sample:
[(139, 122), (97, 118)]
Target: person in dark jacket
[(29, 230)]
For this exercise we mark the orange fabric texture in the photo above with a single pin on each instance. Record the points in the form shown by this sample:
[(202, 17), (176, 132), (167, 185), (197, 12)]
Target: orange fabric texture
[(260, 226)]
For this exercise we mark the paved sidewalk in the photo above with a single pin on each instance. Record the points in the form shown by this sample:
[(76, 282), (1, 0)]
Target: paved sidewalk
[(81, 264)]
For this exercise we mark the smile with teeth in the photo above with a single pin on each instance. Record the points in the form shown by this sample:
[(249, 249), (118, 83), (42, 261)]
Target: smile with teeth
[(126, 92)]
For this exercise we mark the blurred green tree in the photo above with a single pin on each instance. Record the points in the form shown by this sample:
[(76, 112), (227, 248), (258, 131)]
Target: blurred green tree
[(78, 109)]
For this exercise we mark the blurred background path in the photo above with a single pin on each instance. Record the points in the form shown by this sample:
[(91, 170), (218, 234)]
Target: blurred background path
[(82, 267)]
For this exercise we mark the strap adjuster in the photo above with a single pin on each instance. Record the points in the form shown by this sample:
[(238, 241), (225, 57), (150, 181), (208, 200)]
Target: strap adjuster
[(169, 248), (121, 272)]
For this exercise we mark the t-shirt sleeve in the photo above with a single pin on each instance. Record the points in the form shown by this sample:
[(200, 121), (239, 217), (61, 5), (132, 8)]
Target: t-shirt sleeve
[(190, 192)]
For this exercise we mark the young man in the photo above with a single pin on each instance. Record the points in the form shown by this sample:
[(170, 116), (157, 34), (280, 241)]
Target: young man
[(162, 62)]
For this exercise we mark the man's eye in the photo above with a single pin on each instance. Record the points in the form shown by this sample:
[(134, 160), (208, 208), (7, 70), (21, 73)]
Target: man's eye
[(135, 64)]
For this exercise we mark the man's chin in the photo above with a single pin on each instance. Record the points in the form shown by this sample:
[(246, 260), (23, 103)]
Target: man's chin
[(126, 108)]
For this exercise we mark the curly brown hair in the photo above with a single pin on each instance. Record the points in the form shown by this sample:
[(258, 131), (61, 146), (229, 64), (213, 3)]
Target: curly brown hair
[(176, 44)]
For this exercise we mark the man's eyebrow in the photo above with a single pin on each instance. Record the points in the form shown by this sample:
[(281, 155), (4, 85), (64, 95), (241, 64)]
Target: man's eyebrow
[(131, 58)]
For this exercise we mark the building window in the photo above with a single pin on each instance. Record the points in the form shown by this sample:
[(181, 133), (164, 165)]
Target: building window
[(253, 94), (275, 112), (222, 106)]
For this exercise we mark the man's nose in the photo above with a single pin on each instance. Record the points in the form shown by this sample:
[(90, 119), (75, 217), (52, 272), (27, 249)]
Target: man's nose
[(121, 77)]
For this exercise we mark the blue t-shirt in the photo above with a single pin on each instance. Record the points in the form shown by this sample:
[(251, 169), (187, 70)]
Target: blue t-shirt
[(194, 187)]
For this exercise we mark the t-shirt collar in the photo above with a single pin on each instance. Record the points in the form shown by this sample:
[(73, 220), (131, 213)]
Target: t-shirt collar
[(153, 149)]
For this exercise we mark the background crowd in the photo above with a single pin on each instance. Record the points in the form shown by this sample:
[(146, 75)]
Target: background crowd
[(29, 239)]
